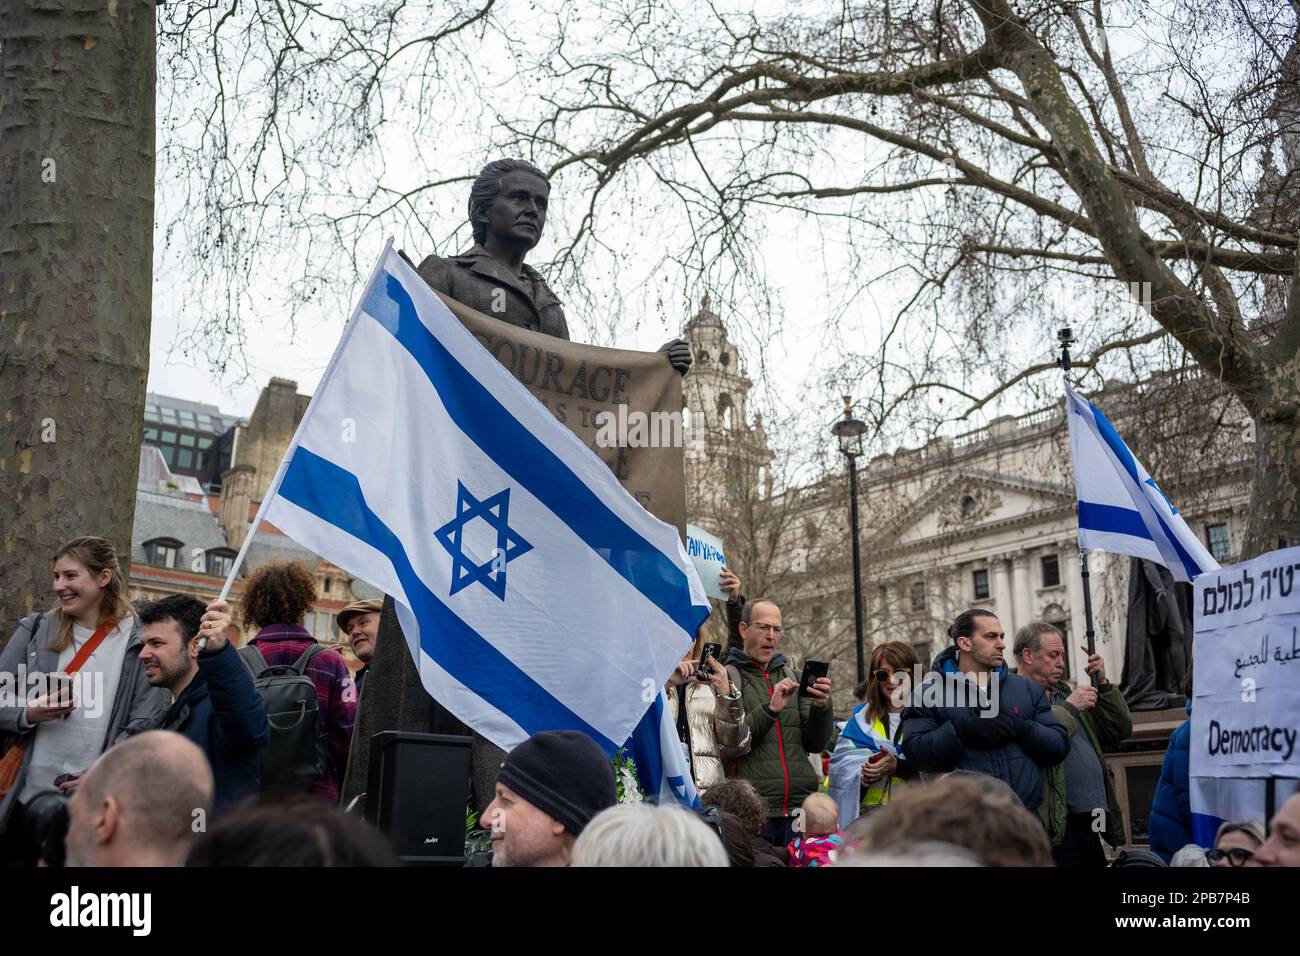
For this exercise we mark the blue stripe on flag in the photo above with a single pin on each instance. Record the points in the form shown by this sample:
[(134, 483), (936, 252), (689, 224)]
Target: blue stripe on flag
[(853, 730), (1116, 444), (1189, 563), (661, 774), (1113, 519), (527, 460), (1116, 520), (334, 495), (646, 751), (1205, 827)]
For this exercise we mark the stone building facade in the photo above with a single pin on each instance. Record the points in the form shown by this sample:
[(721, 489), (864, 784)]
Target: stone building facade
[(184, 541), (261, 443), (980, 519)]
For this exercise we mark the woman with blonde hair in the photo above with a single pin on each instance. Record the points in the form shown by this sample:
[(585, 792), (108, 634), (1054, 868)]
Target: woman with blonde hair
[(868, 763), (77, 684)]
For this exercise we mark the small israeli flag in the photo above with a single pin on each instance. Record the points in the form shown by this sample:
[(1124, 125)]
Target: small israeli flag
[(1121, 509)]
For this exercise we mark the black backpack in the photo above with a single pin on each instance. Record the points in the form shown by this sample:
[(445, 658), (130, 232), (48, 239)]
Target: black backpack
[(294, 756)]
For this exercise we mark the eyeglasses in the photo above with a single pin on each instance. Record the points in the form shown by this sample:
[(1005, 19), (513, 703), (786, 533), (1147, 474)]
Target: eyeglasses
[(765, 628), (1237, 856), (884, 677)]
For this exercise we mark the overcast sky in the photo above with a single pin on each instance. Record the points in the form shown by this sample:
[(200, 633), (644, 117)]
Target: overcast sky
[(788, 351)]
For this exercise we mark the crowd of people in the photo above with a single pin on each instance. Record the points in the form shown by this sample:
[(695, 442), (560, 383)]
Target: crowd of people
[(144, 735)]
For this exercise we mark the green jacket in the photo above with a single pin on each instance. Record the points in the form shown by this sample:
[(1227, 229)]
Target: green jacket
[(777, 763), (1107, 726)]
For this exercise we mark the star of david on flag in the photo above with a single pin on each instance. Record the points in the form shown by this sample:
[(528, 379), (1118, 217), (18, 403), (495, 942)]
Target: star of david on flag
[(465, 570)]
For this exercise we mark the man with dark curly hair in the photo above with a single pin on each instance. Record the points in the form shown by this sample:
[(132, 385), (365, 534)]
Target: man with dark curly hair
[(276, 599)]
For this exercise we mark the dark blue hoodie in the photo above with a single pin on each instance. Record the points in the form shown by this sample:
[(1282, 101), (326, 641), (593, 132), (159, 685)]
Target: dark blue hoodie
[(223, 714), (931, 744)]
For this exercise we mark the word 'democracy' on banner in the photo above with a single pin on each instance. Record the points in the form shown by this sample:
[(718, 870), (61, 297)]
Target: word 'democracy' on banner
[(624, 405), (1246, 711)]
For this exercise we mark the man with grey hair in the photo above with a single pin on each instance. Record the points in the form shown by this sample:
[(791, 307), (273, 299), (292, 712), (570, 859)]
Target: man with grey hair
[(639, 834), (141, 803), (1080, 802)]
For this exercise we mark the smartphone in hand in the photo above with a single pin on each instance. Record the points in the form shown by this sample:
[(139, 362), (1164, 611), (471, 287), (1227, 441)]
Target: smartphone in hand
[(704, 672), (62, 689), (812, 672)]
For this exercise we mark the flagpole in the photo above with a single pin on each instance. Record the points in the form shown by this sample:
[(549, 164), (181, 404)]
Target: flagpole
[(1087, 610), (1066, 338), (293, 444)]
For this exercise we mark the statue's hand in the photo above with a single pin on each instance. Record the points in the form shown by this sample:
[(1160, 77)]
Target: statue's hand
[(679, 355)]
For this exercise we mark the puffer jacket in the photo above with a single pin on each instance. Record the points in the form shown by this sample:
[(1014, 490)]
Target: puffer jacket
[(222, 713), (1106, 726), (136, 706), (777, 763), (930, 740), (717, 729), (1170, 826)]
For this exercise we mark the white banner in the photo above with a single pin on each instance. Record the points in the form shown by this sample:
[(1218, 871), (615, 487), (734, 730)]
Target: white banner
[(1246, 707), (705, 552)]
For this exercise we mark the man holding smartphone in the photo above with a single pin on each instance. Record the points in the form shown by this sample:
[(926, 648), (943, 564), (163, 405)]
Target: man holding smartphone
[(785, 725)]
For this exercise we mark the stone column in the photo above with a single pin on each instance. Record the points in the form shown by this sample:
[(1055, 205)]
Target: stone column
[(1001, 589), (947, 581), (1021, 593), (1078, 623), (876, 615)]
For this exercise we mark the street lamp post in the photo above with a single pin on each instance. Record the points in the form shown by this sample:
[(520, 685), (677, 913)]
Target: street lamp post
[(848, 431)]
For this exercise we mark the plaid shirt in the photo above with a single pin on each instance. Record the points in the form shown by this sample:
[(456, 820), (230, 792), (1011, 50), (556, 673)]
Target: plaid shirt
[(335, 692)]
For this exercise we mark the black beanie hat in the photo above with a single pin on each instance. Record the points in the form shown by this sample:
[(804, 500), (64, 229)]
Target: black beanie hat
[(562, 773)]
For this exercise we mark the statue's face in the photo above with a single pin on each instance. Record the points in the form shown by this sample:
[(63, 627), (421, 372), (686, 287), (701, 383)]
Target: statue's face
[(517, 215)]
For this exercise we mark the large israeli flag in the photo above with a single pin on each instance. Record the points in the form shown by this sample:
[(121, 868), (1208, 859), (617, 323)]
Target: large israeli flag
[(535, 592), (1121, 509)]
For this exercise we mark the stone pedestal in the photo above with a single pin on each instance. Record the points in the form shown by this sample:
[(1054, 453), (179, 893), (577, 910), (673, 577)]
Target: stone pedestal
[(1135, 767)]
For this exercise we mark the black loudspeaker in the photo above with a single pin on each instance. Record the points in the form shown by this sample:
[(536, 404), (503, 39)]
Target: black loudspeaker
[(417, 792)]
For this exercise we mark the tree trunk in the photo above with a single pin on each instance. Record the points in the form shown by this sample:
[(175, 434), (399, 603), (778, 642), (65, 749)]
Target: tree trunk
[(76, 275), (1274, 520)]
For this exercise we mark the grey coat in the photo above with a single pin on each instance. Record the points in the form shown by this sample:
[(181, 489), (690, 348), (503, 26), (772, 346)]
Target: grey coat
[(479, 280), (136, 705)]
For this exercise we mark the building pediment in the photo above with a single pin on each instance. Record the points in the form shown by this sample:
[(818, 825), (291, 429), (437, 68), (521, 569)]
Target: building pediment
[(970, 500)]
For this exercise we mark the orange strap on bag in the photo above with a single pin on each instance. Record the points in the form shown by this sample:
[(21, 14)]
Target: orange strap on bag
[(83, 655), (12, 762)]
